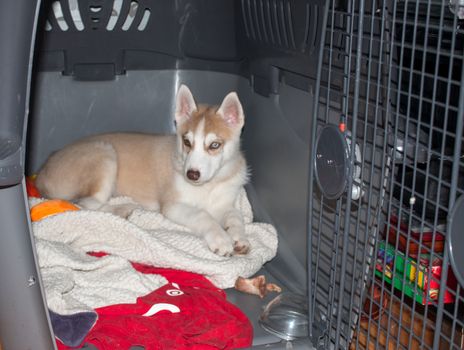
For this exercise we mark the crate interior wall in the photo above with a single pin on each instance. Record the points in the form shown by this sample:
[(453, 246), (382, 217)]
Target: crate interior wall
[(382, 275), (92, 75)]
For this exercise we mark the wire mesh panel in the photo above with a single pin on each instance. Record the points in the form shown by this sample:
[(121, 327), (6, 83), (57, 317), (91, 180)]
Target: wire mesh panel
[(387, 177)]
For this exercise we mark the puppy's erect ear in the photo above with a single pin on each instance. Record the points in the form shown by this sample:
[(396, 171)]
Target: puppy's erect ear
[(185, 104), (231, 110)]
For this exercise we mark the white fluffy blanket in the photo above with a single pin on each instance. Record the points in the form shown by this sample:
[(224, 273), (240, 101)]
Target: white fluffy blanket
[(75, 281)]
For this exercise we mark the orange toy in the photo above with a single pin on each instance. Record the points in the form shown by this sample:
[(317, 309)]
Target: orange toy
[(32, 191), (51, 207)]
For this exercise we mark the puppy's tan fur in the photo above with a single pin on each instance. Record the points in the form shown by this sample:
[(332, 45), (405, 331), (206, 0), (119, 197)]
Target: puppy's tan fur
[(142, 165), (154, 171)]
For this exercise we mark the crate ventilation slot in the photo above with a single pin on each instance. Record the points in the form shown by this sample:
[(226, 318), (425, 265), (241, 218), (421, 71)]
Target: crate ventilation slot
[(271, 22), (119, 15), (311, 34)]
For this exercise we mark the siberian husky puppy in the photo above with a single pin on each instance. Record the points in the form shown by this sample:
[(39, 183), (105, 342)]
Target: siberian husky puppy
[(192, 177)]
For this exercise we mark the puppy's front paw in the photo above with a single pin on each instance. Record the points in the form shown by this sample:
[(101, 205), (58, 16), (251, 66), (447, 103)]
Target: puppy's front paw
[(241, 246), (220, 244)]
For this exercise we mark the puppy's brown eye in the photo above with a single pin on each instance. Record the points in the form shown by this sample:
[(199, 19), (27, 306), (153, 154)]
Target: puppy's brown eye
[(187, 143), (214, 145)]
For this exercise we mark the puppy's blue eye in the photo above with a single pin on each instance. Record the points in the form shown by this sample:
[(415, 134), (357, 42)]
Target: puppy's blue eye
[(214, 145)]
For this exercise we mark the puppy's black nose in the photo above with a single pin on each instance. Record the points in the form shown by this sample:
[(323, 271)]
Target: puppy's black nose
[(193, 175)]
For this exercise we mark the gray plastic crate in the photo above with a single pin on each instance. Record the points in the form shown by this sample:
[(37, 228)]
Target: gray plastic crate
[(354, 119)]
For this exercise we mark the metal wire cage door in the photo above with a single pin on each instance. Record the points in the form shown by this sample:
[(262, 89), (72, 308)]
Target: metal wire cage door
[(386, 208)]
